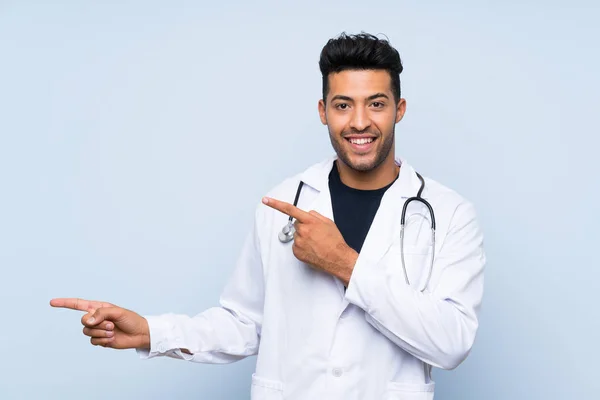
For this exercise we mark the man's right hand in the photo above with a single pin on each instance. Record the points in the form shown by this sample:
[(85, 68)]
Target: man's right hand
[(108, 325)]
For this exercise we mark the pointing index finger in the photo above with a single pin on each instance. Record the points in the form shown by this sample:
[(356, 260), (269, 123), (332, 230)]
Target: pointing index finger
[(287, 208), (78, 304)]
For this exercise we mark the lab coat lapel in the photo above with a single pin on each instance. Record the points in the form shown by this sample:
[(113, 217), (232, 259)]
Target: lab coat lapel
[(322, 203), (386, 223), (318, 179), (387, 219), (323, 206)]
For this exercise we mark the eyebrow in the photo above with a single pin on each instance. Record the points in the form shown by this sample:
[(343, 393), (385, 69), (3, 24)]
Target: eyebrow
[(346, 98)]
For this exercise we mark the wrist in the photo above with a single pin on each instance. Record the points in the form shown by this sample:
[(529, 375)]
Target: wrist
[(348, 261), (145, 335)]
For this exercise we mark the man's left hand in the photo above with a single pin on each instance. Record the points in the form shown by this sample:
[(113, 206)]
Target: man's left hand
[(318, 241)]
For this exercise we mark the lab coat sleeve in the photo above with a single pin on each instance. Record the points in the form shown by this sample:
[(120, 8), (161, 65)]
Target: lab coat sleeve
[(437, 326), (221, 334)]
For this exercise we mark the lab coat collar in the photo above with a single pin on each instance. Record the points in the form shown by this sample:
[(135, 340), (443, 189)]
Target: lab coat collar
[(407, 184)]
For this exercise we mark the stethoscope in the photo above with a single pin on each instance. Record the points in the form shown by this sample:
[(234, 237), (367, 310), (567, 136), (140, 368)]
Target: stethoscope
[(287, 232)]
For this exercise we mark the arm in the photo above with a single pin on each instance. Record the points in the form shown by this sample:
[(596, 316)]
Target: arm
[(437, 326), (220, 334)]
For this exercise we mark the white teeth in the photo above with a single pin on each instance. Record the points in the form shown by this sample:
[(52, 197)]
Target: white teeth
[(361, 140)]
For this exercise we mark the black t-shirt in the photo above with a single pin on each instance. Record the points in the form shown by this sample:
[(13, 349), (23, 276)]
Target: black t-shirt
[(353, 209)]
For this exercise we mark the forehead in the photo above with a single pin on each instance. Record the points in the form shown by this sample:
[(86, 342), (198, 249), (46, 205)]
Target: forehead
[(359, 83)]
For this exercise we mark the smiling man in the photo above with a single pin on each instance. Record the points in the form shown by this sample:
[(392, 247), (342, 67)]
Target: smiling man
[(343, 304)]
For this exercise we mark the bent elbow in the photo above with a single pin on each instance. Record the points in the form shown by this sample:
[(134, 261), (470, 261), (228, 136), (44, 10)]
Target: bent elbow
[(455, 352), (452, 360)]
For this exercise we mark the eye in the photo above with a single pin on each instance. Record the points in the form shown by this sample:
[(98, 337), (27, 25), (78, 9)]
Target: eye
[(378, 104), (342, 106)]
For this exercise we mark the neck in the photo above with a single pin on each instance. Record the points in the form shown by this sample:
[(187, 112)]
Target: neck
[(377, 178)]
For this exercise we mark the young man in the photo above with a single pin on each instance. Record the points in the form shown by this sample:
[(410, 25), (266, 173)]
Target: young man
[(346, 309)]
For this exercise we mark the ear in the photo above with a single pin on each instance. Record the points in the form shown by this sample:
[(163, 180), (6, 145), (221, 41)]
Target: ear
[(400, 109), (322, 114)]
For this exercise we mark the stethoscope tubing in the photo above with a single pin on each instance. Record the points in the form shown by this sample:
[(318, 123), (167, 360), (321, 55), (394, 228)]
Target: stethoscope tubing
[(287, 233)]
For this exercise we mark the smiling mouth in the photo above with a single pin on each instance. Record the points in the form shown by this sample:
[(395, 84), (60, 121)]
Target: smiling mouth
[(361, 145), (361, 141)]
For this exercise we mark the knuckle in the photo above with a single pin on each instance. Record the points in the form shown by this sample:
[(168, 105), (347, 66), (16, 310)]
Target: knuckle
[(298, 253), (306, 230), (98, 317)]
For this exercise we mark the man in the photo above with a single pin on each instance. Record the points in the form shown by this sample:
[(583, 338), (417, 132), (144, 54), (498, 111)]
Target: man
[(346, 310)]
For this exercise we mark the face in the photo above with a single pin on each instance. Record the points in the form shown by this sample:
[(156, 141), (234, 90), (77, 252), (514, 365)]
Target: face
[(361, 115)]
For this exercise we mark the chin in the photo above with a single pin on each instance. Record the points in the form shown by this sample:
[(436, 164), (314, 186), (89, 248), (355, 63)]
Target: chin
[(358, 163)]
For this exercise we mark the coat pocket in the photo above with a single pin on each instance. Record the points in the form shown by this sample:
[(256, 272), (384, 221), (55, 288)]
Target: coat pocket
[(417, 261), (409, 391), (265, 389)]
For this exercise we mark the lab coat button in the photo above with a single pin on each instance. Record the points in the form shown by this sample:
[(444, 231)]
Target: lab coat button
[(337, 372)]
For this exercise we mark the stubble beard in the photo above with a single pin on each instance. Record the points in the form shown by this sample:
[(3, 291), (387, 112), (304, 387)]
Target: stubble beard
[(383, 151)]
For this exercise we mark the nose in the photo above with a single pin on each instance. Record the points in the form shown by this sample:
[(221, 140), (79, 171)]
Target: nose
[(360, 120)]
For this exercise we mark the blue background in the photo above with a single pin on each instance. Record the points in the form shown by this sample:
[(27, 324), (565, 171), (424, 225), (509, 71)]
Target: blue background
[(136, 138)]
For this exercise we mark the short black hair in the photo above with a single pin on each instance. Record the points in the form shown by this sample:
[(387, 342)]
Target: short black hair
[(358, 52)]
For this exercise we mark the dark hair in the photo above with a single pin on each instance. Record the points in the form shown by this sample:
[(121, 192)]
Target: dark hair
[(360, 51)]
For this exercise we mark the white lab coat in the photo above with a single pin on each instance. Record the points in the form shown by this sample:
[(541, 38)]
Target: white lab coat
[(376, 340)]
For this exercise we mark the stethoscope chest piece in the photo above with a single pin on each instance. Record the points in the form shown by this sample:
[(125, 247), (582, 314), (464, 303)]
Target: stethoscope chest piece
[(286, 235)]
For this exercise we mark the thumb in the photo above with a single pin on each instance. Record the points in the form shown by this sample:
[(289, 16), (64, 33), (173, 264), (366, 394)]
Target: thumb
[(103, 314)]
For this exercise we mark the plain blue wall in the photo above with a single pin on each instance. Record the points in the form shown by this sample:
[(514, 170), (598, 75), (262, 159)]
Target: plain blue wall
[(137, 137)]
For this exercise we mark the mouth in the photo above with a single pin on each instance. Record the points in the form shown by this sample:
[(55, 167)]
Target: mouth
[(361, 144)]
